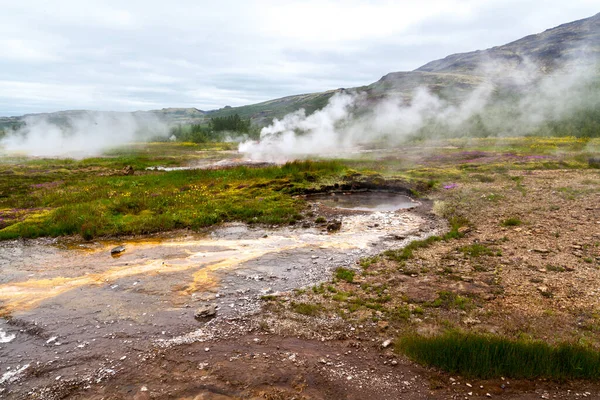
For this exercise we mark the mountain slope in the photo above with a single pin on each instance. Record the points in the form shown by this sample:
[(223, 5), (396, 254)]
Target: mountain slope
[(575, 42), (455, 76)]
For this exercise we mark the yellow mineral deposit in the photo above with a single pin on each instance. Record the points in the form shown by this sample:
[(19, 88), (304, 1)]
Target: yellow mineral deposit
[(151, 257)]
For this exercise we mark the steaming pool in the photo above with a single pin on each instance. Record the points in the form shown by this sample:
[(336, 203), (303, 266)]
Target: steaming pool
[(365, 201)]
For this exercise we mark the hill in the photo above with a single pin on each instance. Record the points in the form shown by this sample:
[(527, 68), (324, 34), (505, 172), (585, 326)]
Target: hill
[(453, 77), (573, 44)]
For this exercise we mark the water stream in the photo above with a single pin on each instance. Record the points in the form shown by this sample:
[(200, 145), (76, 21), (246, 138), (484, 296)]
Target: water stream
[(72, 309)]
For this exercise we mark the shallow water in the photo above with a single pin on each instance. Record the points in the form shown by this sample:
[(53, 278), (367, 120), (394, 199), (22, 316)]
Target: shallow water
[(365, 201), (98, 308)]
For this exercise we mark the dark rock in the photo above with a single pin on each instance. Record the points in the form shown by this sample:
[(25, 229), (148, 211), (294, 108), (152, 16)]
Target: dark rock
[(334, 225), (117, 250), (205, 312), (128, 170)]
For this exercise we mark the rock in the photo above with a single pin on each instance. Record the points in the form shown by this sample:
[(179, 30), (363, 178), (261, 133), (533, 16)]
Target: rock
[(386, 344), (334, 226), (594, 162), (383, 325), (543, 289), (541, 251), (117, 250), (463, 230), (128, 170), (207, 311)]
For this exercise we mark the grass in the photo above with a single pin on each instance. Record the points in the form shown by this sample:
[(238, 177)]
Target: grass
[(512, 221), (450, 300), (344, 274), (407, 252), (476, 250), (306, 308), (487, 356), (66, 197)]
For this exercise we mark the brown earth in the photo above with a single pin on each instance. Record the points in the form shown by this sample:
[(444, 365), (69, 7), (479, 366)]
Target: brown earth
[(539, 279)]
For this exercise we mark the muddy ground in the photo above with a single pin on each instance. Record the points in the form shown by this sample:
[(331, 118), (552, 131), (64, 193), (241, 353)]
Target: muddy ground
[(538, 278)]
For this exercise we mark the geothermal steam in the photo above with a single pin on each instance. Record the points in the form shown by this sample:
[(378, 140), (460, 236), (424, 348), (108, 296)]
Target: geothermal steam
[(348, 121), (81, 134)]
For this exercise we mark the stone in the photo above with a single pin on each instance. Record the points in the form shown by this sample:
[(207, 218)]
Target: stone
[(128, 170), (464, 230), (117, 250), (594, 162), (207, 311), (543, 289), (386, 344), (541, 251), (334, 226)]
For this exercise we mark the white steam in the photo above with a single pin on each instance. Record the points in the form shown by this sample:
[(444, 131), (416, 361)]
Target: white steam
[(298, 134), (350, 119), (80, 134)]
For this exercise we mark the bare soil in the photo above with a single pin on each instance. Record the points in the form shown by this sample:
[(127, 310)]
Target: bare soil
[(538, 279)]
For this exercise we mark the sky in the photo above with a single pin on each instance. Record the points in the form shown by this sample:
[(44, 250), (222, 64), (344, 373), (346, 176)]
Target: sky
[(132, 55)]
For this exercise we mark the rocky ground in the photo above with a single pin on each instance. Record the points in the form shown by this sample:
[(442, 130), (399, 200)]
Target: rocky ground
[(527, 265)]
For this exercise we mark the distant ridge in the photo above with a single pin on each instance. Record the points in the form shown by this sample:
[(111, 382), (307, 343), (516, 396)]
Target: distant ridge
[(572, 44)]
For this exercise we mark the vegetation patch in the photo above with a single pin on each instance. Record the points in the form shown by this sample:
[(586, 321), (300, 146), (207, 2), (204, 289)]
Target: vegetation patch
[(450, 300), (512, 221), (74, 200), (487, 356), (344, 274), (476, 250), (306, 308)]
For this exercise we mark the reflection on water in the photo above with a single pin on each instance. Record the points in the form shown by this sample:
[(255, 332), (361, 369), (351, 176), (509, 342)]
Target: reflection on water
[(365, 201)]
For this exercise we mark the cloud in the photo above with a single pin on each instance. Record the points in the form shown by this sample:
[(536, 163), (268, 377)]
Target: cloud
[(234, 52)]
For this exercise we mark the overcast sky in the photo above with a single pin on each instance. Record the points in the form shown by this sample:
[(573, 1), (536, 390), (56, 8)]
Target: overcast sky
[(143, 54)]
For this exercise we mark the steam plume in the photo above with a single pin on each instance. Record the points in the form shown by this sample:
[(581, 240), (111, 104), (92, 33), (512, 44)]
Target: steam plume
[(510, 101), (81, 134)]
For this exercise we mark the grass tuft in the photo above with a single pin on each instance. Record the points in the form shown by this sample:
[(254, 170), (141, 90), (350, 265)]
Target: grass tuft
[(512, 221), (487, 356), (306, 309), (476, 250), (344, 274)]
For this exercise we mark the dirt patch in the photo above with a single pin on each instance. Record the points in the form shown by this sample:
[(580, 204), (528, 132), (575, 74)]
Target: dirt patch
[(527, 265)]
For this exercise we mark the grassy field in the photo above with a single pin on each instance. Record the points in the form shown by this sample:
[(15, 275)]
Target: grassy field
[(92, 198)]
